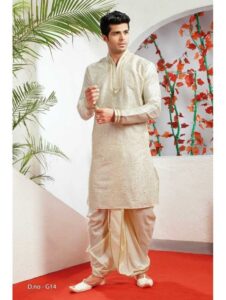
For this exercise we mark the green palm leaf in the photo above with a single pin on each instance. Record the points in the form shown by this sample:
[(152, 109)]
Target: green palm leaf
[(28, 102), (18, 150), (19, 8), (38, 179), (51, 22), (38, 150)]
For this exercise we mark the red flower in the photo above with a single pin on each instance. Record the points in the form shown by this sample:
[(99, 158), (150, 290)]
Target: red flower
[(210, 71), (184, 125), (208, 40), (173, 124), (201, 96), (189, 79), (190, 45), (195, 35), (153, 37), (173, 77), (198, 137), (160, 64), (209, 109), (201, 64), (180, 66), (200, 82)]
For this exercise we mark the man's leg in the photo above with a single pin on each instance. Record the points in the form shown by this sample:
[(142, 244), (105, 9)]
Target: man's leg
[(143, 221), (99, 249), (137, 233)]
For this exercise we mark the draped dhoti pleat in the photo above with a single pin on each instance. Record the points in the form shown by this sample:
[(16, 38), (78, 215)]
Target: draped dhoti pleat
[(120, 240)]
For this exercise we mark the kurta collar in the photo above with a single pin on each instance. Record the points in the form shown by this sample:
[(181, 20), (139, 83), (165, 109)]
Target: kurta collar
[(121, 59), (116, 74)]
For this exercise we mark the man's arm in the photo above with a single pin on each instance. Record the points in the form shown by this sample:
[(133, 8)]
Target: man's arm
[(82, 107), (152, 99)]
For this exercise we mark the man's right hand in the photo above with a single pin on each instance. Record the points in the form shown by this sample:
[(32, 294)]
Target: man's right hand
[(92, 95)]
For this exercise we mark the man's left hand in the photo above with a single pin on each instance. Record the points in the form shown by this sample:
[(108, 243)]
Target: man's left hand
[(104, 115)]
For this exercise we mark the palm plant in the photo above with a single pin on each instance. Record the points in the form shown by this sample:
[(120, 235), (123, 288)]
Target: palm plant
[(44, 23)]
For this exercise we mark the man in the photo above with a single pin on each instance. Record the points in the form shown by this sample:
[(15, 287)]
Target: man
[(122, 90)]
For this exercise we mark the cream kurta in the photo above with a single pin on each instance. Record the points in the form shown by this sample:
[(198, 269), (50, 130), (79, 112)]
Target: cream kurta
[(122, 173)]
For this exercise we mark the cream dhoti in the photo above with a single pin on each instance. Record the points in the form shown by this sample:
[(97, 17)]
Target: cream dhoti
[(120, 240)]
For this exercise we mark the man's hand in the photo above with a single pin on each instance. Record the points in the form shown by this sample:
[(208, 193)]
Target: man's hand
[(104, 115), (92, 95)]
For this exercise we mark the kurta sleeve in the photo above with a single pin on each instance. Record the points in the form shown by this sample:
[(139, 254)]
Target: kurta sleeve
[(84, 112), (152, 101)]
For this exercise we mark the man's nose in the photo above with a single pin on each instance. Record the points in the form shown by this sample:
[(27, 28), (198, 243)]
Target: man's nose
[(122, 37)]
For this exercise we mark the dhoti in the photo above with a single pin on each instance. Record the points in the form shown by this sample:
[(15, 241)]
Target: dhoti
[(120, 240)]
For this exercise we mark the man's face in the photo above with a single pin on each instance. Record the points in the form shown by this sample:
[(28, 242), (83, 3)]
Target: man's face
[(118, 38)]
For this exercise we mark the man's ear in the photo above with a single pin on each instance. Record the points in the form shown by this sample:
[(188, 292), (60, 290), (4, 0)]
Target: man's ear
[(104, 37)]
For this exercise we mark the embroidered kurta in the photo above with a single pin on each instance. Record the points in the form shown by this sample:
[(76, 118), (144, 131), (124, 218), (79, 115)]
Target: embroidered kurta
[(122, 174)]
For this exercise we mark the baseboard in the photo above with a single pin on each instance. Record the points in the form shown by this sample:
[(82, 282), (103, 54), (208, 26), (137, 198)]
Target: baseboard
[(182, 246)]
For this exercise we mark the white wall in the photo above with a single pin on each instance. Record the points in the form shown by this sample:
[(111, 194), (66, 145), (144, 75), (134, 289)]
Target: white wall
[(65, 73), (47, 234), (185, 209)]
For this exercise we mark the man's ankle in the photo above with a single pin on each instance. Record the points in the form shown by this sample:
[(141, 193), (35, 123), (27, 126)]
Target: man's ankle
[(141, 275), (97, 276), (93, 278)]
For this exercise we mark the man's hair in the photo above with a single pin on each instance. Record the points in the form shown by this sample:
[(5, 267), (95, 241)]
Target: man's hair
[(115, 17)]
